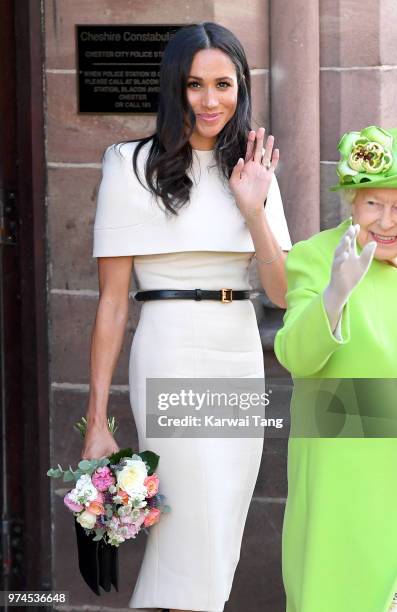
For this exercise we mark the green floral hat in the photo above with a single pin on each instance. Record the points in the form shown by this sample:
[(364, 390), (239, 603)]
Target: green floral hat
[(368, 159)]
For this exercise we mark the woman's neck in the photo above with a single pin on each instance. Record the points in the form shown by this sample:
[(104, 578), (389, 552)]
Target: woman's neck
[(202, 144)]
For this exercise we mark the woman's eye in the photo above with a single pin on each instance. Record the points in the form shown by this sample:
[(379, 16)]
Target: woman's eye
[(221, 84), (371, 203)]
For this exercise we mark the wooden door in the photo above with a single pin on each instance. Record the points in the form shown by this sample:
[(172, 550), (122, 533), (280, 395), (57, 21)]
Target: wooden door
[(24, 399)]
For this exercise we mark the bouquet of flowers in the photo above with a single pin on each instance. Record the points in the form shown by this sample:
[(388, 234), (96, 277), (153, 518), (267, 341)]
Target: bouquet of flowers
[(112, 499)]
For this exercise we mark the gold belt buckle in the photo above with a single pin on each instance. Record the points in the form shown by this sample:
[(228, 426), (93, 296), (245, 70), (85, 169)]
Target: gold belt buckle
[(227, 296)]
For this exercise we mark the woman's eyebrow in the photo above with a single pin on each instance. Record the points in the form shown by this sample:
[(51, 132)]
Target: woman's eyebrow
[(191, 76)]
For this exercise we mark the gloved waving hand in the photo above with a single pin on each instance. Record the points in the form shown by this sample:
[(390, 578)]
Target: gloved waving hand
[(348, 268)]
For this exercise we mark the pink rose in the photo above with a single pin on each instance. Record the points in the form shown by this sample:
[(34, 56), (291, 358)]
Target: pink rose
[(72, 505), (102, 478), (152, 484), (152, 518)]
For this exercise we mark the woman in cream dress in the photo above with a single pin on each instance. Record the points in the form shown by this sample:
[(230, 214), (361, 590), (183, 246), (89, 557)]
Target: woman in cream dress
[(192, 553)]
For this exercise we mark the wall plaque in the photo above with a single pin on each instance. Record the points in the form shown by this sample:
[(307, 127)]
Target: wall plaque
[(118, 67)]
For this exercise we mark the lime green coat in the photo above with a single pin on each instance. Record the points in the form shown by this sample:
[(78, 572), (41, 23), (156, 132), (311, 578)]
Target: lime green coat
[(340, 524)]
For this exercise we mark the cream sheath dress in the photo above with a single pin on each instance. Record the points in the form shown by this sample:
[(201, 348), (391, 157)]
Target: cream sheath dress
[(192, 553)]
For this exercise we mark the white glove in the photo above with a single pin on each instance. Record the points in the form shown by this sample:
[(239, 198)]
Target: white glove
[(348, 268)]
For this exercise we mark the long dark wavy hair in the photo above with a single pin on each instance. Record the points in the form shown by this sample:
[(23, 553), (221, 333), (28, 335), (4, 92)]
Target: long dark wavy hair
[(170, 153)]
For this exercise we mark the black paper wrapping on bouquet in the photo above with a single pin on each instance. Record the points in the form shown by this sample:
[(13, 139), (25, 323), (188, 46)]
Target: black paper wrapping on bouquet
[(98, 561)]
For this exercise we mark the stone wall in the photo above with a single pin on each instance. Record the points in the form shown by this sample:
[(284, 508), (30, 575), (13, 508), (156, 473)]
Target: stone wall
[(353, 85), (358, 80)]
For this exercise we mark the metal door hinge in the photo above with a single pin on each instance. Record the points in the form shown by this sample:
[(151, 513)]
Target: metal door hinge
[(8, 217)]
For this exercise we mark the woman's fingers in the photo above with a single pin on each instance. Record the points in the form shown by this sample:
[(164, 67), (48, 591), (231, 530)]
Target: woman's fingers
[(339, 259), (356, 229), (236, 172), (275, 158), (250, 146), (367, 254), (346, 241), (267, 156), (260, 135), (343, 245), (261, 154)]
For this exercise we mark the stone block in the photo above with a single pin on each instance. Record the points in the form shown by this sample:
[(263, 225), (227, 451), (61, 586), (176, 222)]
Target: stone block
[(71, 200), (249, 22), (388, 32), (260, 99), (347, 38), (389, 96), (332, 210), (71, 321), (349, 101)]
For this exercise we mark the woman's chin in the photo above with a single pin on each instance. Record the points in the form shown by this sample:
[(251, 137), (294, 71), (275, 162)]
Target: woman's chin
[(210, 132), (387, 255), (383, 252)]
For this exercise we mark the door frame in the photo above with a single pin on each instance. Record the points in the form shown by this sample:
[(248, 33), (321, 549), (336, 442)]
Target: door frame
[(25, 413)]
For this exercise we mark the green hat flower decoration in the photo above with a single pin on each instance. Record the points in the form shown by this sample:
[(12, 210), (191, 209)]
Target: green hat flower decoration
[(368, 159)]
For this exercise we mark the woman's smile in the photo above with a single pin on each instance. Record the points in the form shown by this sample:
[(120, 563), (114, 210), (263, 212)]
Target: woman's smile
[(381, 239), (211, 117)]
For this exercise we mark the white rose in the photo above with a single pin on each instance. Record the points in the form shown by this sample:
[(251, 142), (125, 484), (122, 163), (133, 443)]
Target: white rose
[(86, 519), (132, 476), (84, 491)]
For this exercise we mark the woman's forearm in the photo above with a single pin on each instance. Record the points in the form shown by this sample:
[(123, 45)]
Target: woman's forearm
[(272, 275), (106, 341)]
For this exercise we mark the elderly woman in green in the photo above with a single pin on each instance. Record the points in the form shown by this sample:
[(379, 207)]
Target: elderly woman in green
[(340, 524)]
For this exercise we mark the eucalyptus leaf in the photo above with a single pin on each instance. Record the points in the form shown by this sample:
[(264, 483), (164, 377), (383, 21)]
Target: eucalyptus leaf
[(54, 473), (98, 535)]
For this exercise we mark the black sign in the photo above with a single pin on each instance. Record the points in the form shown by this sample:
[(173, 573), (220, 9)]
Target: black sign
[(118, 67)]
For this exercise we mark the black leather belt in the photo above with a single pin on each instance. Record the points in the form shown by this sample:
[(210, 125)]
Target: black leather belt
[(223, 295)]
